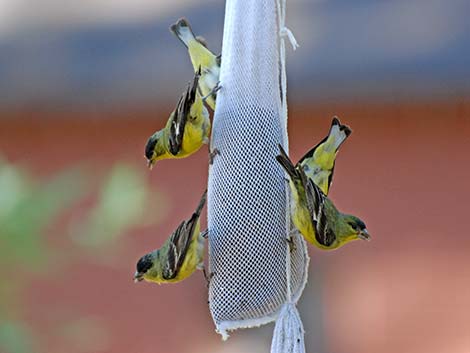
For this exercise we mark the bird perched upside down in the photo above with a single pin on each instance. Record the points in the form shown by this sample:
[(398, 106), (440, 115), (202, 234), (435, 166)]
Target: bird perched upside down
[(315, 215), (186, 130), (319, 163), (181, 254), (201, 57)]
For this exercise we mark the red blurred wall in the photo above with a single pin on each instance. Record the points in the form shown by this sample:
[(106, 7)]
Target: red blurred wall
[(404, 170)]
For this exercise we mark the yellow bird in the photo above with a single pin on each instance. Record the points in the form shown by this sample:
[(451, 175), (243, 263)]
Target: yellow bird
[(201, 57), (186, 130), (313, 213), (319, 163), (180, 255)]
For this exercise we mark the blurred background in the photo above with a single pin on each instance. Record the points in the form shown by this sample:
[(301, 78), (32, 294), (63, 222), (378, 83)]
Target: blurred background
[(84, 83)]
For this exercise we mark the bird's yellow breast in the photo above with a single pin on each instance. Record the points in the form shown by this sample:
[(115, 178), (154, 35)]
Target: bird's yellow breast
[(192, 140), (319, 167), (325, 158), (342, 240), (300, 214), (200, 55)]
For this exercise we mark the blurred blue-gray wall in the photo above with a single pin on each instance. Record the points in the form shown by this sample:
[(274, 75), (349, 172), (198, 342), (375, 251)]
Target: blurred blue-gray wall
[(107, 52)]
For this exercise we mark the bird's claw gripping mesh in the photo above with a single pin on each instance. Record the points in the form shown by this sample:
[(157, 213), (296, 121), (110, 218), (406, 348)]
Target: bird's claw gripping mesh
[(249, 255)]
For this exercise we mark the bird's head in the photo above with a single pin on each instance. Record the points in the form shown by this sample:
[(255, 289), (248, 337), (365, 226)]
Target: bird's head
[(152, 149), (144, 264), (356, 228)]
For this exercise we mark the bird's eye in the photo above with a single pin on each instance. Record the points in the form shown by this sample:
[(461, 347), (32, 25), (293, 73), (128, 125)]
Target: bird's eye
[(353, 226)]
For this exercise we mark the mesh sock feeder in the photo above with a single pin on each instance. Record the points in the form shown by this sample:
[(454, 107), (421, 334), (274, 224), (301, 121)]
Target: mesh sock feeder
[(257, 276)]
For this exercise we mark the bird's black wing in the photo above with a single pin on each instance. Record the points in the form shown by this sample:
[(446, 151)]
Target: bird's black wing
[(181, 115), (286, 163), (177, 125), (311, 195), (178, 247), (180, 241), (323, 231), (316, 205)]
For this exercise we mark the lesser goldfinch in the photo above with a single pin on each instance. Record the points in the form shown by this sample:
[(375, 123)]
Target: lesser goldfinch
[(187, 128), (201, 57), (319, 163), (180, 255), (315, 215)]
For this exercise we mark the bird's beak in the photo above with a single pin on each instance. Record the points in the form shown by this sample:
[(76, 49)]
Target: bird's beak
[(150, 164), (364, 235), (138, 276)]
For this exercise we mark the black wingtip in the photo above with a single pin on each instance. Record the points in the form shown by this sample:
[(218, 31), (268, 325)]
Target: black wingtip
[(345, 128), (182, 22), (175, 28), (189, 95), (286, 163), (283, 155), (335, 121), (194, 85), (201, 204), (281, 150)]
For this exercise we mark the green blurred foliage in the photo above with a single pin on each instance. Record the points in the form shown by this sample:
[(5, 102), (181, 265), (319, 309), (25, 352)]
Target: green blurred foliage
[(93, 328), (26, 208), (29, 206), (15, 338), (120, 206)]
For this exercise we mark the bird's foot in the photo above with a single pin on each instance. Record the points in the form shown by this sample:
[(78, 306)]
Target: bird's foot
[(216, 88), (291, 243), (208, 277), (213, 91), (205, 233), (212, 154)]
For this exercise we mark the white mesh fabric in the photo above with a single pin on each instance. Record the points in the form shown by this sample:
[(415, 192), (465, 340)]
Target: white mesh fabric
[(247, 201)]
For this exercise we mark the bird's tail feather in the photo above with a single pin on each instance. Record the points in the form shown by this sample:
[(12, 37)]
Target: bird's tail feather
[(286, 163), (182, 29), (339, 132)]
